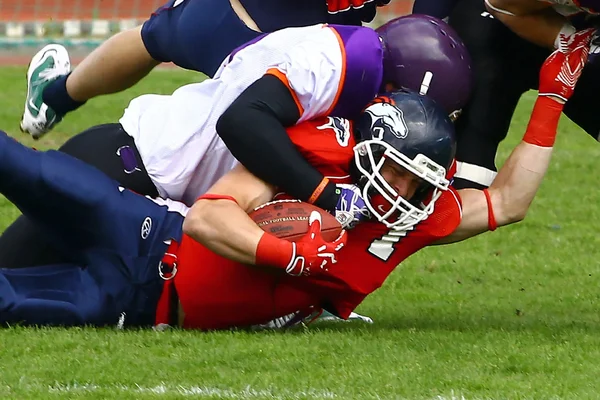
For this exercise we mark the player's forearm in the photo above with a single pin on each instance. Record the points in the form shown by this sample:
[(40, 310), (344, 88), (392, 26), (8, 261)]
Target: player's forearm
[(224, 228), (221, 222), (540, 27), (518, 181), (521, 175), (510, 194)]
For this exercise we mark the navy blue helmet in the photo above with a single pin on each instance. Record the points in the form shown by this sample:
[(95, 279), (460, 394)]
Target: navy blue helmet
[(416, 133)]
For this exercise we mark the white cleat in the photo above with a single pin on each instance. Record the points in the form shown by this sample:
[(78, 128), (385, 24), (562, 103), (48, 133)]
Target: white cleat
[(45, 67)]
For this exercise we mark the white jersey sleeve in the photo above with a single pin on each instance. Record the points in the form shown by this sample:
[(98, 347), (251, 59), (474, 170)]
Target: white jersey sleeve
[(313, 71), (334, 71)]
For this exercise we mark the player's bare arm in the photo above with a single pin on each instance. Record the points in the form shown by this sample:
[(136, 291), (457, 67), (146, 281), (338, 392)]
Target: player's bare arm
[(510, 195), (219, 220), (508, 198), (533, 20)]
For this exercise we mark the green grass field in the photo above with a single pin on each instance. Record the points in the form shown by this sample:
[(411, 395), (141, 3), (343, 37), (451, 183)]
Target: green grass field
[(513, 314)]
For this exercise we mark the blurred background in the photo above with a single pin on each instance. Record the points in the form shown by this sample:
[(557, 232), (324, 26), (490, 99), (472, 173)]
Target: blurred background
[(26, 25)]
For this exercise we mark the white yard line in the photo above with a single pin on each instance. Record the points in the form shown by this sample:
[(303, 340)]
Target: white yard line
[(195, 391), (198, 391)]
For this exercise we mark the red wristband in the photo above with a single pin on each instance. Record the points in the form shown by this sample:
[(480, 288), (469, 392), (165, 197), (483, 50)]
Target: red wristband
[(541, 130), (273, 252), (492, 225), (212, 196)]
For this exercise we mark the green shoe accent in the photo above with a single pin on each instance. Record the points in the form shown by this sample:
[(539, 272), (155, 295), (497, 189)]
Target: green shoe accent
[(37, 84)]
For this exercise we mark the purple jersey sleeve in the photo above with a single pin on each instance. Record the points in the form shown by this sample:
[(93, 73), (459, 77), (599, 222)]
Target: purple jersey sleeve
[(363, 69)]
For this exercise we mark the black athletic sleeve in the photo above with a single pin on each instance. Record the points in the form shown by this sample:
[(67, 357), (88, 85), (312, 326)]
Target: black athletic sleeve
[(253, 128)]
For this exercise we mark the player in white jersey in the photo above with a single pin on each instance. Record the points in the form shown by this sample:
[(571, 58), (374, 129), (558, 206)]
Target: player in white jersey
[(271, 83), (183, 125)]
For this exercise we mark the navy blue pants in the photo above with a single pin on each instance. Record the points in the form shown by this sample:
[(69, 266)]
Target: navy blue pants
[(195, 34), (200, 34), (116, 236)]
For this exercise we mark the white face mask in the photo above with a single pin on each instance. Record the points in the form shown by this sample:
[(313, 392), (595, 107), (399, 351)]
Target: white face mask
[(400, 214)]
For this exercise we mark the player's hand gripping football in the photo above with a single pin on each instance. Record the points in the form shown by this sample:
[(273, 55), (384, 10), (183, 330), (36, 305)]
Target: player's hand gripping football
[(335, 6), (351, 207), (562, 69), (312, 255)]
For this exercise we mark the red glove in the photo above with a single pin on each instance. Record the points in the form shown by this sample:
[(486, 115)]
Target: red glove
[(336, 6), (563, 67), (310, 255), (558, 78)]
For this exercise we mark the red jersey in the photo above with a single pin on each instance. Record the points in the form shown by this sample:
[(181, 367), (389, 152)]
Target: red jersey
[(217, 293)]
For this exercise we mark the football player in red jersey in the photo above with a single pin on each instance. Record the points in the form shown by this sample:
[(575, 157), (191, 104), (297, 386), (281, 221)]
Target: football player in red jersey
[(403, 155), (134, 266)]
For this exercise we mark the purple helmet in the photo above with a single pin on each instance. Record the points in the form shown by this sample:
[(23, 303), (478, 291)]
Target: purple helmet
[(425, 54)]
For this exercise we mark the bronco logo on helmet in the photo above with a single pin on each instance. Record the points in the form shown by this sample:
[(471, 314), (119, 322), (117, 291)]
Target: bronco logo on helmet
[(386, 117)]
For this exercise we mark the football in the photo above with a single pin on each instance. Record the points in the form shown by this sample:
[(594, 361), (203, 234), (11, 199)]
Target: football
[(288, 219)]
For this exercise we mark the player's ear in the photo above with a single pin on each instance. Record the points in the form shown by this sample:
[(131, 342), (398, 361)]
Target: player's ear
[(389, 87)]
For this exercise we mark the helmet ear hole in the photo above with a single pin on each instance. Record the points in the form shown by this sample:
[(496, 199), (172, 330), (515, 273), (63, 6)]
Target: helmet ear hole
[(389, 86)]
